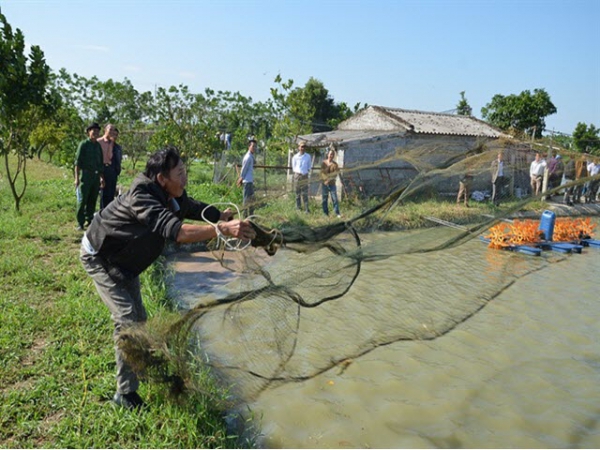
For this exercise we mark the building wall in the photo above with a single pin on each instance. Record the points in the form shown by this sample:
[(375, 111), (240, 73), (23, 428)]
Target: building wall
[(377, 165)]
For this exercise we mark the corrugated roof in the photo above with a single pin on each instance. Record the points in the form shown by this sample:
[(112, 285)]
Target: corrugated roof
[(420, 122), (339, 136)]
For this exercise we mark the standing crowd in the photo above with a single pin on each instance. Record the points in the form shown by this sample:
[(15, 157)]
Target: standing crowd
[(543, 176)]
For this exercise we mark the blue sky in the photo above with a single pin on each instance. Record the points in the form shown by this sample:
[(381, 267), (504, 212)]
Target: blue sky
[(398, 53)]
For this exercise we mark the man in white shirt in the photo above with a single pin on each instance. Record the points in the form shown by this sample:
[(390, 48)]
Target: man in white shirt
[(301, 165), (246, 178), (536, 173), (591, 190)]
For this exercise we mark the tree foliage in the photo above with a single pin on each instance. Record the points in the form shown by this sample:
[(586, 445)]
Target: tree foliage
[(524, 113), (586, 138), (25, 102), (463, 108), (304, 110), (313, 103)]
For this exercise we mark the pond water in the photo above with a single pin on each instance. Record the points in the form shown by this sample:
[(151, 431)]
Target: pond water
[(522, 371)]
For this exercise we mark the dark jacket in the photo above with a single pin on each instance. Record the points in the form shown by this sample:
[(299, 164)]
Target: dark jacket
[(131, 232), (115, 162)]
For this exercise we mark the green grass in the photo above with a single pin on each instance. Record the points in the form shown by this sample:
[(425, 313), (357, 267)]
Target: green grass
[(56, 351)]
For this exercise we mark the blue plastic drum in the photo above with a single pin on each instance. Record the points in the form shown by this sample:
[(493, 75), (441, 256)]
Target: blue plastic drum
[(547, 224)]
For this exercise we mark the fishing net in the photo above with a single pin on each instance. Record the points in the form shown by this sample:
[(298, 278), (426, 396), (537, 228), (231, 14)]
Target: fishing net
[(308, 299)]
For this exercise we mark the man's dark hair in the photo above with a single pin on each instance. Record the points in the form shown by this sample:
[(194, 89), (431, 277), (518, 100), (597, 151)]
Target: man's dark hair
[(162, 162)]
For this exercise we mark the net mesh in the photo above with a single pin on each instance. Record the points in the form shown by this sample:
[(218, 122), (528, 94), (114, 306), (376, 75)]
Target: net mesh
[(302, 303)]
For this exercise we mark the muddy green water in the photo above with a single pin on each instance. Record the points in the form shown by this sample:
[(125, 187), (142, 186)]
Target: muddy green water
[(523, 372)]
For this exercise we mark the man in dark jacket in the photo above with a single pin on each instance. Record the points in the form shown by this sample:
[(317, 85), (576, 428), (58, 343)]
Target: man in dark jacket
[(89, 176), (129, 235)]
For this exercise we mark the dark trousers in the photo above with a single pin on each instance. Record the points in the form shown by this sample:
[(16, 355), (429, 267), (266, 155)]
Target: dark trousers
[(88, 187), (326, 191), (301, 182), (248, 199), (591, 190), (110, 187), (568, 197), (497, 190)]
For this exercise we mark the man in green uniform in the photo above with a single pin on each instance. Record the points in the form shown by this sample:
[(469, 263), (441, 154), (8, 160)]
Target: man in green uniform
[(88, 175)]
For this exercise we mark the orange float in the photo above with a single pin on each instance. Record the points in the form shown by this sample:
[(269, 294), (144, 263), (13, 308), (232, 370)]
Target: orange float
[(527, 232)]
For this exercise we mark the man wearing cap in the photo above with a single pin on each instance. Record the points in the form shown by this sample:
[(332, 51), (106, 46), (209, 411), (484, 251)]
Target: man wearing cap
[(301, 165), (89, 178), (246, 178)]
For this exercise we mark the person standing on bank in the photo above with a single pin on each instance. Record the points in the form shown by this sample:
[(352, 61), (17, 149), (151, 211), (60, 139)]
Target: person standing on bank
[(536, 173), (129, 235), (89, 177), (107, 142), (464, 187), (246, 178), (580, 172), (301, 165), (497, 179), (329, 172), (569, 178)]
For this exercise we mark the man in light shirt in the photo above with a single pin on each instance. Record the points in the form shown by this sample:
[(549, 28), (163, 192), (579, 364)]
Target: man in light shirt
[(536, 173), (301, 165), (246, 178), (110, 176)]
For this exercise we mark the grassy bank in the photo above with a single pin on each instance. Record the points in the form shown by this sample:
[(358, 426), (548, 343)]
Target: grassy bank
[(56, 357)]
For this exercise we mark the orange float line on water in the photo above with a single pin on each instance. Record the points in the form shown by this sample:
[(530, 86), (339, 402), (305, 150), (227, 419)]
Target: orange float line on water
[(527, 232)]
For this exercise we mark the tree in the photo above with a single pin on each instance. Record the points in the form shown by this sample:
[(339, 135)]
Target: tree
[(524, 113), (463, 108), (24, 102), (324, 113), (187, 121), (305, 110), (586, 138), (293, 115)]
